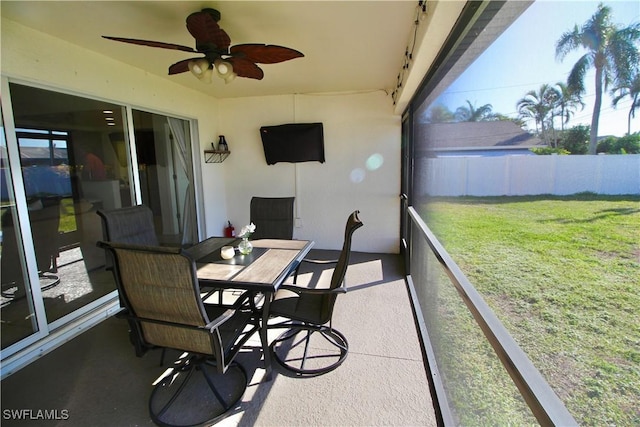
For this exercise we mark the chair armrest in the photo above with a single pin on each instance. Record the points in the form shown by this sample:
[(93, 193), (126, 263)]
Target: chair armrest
[(218, 321), (215, 323), (312, 261)]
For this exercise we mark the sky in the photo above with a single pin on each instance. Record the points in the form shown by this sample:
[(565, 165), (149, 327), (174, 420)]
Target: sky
[(530, 43)]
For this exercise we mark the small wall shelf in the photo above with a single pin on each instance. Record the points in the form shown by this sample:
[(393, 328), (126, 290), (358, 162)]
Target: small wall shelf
[(215, 156)]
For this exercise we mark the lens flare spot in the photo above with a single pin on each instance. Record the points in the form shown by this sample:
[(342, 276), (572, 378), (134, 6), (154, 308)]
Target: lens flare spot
[(374, 161), (357, 175)]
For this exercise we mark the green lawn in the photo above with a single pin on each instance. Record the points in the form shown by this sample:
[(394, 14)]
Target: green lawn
[(563, 275)]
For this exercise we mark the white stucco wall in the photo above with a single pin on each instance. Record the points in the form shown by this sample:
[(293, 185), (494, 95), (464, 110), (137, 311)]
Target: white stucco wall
[(362, 168), (356, 127)]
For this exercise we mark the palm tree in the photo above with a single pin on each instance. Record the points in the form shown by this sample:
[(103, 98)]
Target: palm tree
[(553, 97), (567, 103), (538, 105), (632, 90), (439, 114), (470, 113), (611, 50)]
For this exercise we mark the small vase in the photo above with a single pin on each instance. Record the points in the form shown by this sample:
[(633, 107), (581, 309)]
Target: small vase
[(245, 247)]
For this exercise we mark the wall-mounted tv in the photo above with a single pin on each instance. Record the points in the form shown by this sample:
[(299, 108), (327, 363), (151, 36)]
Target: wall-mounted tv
[(293, 143)]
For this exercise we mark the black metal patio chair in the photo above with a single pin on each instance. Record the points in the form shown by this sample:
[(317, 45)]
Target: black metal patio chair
[(160, 290), (273, 217), (308, 312)]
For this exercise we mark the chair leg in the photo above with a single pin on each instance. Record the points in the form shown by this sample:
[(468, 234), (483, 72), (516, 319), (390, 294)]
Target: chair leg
[(219, 397), (15, 291), (48, 280), (284, 350), (306, 349), (175, 395), (164, 351), (183, 399), (295, 273)]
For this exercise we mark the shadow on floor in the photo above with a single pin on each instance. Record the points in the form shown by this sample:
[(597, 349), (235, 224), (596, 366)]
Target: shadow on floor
[(95, 379)]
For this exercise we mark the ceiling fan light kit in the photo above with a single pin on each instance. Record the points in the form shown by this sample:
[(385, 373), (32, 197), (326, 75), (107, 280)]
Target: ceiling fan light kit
[(224, 70), (201, 69), (214, 43)]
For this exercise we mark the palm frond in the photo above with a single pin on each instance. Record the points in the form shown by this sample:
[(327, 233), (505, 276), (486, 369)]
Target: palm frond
[(575, 80), (569, 41)]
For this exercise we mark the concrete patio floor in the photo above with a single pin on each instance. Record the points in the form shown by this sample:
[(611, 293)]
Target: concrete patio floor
[(97, 379)]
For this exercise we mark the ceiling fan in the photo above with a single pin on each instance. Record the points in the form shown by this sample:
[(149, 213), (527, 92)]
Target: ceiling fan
[(212, 41)]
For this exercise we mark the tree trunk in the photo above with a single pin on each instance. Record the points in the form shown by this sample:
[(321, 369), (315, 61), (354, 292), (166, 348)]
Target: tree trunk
[(593, 141), (553, 131)]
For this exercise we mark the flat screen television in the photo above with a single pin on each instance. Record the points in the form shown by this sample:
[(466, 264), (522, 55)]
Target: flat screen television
[(293, 143)]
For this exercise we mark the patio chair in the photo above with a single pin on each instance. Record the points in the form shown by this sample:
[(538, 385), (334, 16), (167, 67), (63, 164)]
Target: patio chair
[(45, 224), (44, 217), (160, 290), (133, 225), (273, 217), (308, 311)]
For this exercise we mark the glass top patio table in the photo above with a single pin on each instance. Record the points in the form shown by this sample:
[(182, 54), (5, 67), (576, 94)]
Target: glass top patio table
[(263, 270)]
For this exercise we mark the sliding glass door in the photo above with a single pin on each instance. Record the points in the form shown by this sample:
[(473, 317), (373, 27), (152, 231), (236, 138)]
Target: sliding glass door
[(72, 157), (163, 148), (68, 170), (19, 321)]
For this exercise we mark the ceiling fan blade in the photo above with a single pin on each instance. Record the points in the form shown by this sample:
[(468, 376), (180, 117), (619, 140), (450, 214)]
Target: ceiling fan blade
[(180, 66), (265, 54), (204, 28), (151, 43), (245, 68)]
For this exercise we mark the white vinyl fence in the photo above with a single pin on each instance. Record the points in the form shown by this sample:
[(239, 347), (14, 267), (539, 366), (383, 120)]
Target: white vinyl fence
[(529, 175)]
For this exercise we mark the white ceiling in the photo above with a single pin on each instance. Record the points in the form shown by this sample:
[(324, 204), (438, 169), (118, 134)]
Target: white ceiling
[(348, 45)]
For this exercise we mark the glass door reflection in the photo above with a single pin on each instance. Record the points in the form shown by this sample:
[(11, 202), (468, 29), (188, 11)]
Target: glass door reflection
[(70, 169), (16, 302)]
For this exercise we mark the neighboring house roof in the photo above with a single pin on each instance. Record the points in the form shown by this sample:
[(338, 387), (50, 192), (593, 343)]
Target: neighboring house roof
[(33, 153), (490, 135)]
